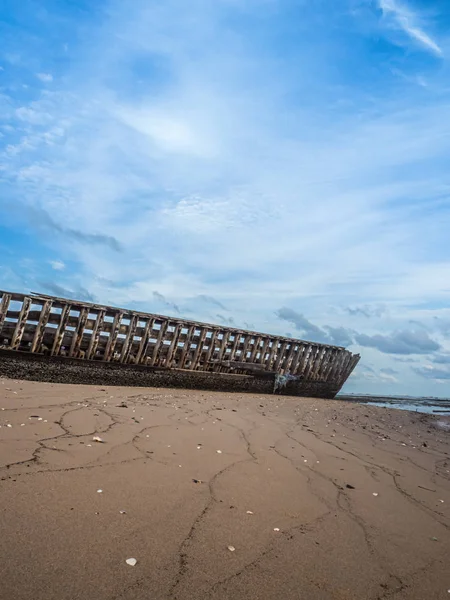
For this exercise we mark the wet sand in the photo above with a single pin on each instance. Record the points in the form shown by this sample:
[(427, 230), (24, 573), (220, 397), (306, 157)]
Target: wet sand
[(320, 499)]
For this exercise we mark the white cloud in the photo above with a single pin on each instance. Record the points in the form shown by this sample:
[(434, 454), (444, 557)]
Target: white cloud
[(31, 115), (45, 77), (409, 23), (57, 265)]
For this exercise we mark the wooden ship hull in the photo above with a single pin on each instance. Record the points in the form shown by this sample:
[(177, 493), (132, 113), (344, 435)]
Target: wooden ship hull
[(47, 338)]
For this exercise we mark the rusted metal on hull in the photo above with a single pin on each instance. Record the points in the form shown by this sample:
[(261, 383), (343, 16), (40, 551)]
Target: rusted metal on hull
[(97, 333)]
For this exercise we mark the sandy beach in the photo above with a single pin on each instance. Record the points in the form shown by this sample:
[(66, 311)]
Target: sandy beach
[(218, 496)]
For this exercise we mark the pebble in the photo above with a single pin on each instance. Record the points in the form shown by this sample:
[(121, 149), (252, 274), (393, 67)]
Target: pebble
[(231, 548), (131, 561), (219, 451)]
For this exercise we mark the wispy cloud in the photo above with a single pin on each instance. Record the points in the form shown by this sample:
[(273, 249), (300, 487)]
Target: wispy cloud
[(211, 300), (366, 311), (226, 320), (40, 218), (410, 23), (78, 293), (400, 342), (433, 373), (57, 265), (162, 299), (338, 336), (45, 77)]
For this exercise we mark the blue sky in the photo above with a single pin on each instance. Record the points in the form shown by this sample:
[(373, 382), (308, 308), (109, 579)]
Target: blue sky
[(280, 165)]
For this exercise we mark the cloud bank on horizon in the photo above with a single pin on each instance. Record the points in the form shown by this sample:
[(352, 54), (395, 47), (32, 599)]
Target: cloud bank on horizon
[(267, 163)]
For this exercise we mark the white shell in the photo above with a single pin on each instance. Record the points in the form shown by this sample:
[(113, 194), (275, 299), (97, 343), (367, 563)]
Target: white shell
[(131, 562), (219, 451), (276, 529), (231, 548)]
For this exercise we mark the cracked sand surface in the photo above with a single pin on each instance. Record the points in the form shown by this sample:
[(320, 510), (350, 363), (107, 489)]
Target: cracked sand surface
[(286, 460)]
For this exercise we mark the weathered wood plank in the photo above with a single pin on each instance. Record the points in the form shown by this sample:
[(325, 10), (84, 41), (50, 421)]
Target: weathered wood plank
[(235, 346), (295, 361), (186, 348), (111, 345), (317, 363), (273, 354), (223, 344), (173, 346), (199, 349), (212, 346), (280, 356), (4, 304), (97, 329), (329, 365), (342, 375), (145, 336), (310, 364), (323, 364), (262, 358), (18, 332), (78, 334), (256, 348), (36, 344), (59, 334), (124, 355), (304, 360), (286, 367), (159, 341), (247, 342)]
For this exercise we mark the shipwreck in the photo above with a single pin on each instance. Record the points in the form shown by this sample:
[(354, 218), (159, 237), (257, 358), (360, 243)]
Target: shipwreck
[(47, 338)]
